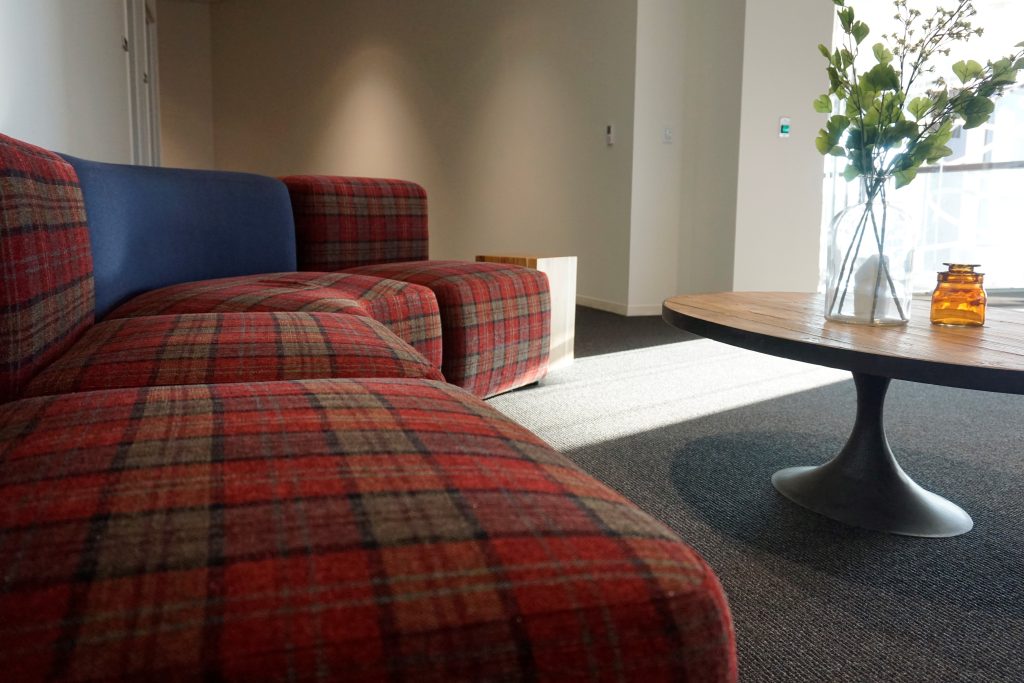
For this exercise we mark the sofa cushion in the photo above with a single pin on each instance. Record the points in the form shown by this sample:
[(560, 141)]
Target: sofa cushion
[(407, 310), (46, 297), (153, 227), (329, 529), (495, 319), (198, 348), (343, 221)]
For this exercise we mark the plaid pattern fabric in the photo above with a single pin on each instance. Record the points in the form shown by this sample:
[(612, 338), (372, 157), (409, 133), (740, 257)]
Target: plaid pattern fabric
[(495, 319), (329, 530), (344, 222), (407, 310), (47, 299), (199, 348)]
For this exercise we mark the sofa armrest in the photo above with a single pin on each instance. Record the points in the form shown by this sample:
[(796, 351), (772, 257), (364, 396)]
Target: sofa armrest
[(341, 222)]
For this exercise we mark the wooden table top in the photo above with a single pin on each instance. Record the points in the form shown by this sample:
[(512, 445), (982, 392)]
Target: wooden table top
[(990, 358)]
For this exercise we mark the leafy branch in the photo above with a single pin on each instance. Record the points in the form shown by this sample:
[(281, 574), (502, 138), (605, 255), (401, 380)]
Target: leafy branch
[(876, 124), (887, 125)]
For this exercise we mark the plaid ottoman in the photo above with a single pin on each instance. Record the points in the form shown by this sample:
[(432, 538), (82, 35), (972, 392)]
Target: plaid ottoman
[(407, 310), (495, 320), (329, 530), (201, 348)]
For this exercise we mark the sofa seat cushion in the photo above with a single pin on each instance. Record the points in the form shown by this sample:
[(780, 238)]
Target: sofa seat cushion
[(329, 529), (496, 320), (200, 348), (408, 310)]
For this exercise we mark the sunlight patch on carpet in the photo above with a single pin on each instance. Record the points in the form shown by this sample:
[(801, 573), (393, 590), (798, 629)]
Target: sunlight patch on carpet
[(600, 398)]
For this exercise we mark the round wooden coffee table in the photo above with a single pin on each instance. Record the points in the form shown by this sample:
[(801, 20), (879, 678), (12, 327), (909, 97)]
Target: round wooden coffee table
[(864, 485)]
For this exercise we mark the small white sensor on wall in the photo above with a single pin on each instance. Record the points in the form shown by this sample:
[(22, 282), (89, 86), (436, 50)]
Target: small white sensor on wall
[(784, 127), (609, 135)]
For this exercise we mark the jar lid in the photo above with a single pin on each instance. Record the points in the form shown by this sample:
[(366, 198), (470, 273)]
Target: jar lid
[(962, 267)]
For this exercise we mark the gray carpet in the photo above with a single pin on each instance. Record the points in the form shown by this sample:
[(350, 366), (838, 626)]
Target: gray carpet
[(692, 431)]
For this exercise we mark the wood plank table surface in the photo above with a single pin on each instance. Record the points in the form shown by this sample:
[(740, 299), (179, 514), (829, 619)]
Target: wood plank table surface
[(864, 485)]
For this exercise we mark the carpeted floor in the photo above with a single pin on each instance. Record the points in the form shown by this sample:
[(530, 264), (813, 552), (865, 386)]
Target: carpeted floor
[(691, 430)]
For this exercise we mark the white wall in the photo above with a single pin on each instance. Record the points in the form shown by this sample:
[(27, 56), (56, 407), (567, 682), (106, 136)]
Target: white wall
[(688, 67), (713, 54), (497, 108), (778, 204), (63, 76), (186, 84), (658, 165)]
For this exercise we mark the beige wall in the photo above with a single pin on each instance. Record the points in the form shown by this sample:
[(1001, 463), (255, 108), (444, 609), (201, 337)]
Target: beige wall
[(64, 77), (186, 84), (713, 53), (658, 164), (497, 108), (689, 63), (778, 205)]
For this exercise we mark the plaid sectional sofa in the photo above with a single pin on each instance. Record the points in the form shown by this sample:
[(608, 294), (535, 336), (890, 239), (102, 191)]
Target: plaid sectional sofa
[(265, 476)]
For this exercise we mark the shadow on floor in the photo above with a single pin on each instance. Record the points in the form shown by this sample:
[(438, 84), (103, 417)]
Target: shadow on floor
[(600, 332)]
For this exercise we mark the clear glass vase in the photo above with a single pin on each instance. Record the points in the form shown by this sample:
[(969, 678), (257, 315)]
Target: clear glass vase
[(869, 276)]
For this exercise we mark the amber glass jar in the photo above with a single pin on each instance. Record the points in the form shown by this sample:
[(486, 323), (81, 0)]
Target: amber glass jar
[(959, 298)]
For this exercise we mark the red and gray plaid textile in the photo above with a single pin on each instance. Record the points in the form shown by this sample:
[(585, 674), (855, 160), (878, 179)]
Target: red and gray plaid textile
[(200, 348), (408, 310), (46, 298), (343, 222), (329, 530), (496, 320)]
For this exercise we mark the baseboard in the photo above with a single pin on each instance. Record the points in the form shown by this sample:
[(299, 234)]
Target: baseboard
[(602, 305), (615, 307), (644, 309)]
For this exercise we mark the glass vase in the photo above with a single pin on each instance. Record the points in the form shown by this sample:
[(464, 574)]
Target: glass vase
[(869, 273)]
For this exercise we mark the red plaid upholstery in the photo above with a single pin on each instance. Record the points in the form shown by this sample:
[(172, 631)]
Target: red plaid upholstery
[(407, 310), (496, 320), (329, 530), (343, 222), (46, 300), (198, 348)]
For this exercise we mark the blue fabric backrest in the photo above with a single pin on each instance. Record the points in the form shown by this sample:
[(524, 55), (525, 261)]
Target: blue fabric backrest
[(153, 227)]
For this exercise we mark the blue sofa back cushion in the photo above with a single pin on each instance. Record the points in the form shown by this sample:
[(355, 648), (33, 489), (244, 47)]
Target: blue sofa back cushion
[(153, 227)]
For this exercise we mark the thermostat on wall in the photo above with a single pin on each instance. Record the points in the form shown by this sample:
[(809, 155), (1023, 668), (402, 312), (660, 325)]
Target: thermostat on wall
[(784, 127)]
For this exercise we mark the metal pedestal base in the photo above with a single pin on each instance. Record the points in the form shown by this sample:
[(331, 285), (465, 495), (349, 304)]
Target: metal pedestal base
[(864, 485)]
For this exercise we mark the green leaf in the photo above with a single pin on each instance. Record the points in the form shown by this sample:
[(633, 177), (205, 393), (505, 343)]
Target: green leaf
[(824, 50), (823, 105), (836, 126), (882, 77), (904, 177), (899, 131), (937, 153), (850, 173), (847, 58), (976, 111), (833, 77), (846, 18), (919, 106), (860, 31), (839, 2), (883, 55), (822, 143), (968, 70), (837, 151)]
